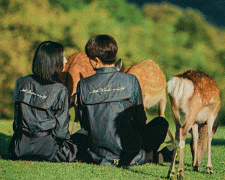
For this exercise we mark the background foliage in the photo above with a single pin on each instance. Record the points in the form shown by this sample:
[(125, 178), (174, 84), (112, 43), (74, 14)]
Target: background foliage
[(213, 10), (174, 38)]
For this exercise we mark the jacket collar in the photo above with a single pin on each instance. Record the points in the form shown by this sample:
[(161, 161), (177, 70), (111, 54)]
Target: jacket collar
[(106, 70)]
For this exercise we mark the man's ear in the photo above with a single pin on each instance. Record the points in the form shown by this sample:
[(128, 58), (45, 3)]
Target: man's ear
[(94, 63)]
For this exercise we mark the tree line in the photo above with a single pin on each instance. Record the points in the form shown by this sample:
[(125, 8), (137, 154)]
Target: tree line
[(174, 38)]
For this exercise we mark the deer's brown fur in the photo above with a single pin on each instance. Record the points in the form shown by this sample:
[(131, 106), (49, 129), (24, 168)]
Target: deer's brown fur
[(76, 68), (152, 81)]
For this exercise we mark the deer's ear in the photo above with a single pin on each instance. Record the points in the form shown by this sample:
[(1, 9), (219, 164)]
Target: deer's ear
[(118, 65), (215, 126)]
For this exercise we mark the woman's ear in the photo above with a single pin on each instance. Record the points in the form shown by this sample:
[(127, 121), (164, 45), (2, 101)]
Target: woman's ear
[(64, 63)]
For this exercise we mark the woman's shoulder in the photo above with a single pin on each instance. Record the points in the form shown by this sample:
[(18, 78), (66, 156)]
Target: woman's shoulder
[(60, 89), (31, 92), (24, 79), (58, 86), (30, 79)]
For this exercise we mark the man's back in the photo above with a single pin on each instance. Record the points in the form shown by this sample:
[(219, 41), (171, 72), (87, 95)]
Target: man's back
[(108, 102)]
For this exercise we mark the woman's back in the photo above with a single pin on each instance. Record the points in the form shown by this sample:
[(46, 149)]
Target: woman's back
[(41, 116), (38, 106)]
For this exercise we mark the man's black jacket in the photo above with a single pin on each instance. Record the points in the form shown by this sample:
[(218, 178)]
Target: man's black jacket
[(110, 109)]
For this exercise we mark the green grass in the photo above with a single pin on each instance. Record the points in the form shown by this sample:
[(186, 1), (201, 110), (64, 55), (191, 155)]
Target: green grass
[(43, 170)]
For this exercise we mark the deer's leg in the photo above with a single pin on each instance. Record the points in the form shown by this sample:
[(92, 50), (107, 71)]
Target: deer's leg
[(74, 127), (209, 140), (171, 136), (75, 120), (202, 142), (161, 112), (202, 145), (190, 116), (209, 137), (172, 166), (195, 146), (176, 117), (162, 105), (181, 146)]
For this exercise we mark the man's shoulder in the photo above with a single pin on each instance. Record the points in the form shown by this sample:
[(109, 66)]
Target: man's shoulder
[(128, 75), (86, 80), (119, 75), (124, 76)]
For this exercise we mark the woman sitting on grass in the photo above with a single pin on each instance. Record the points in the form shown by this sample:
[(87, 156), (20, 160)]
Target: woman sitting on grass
[(41, 119)]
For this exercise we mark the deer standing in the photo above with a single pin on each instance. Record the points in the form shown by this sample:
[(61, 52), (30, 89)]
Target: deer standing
[(195, 95), (151, 79)]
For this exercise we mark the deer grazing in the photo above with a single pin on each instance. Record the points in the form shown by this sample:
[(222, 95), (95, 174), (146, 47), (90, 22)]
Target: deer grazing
[(195, 95), (151, 79)]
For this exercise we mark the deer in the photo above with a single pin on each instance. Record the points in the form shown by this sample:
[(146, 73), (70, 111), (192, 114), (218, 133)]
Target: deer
[(151, 79), (195, 96)]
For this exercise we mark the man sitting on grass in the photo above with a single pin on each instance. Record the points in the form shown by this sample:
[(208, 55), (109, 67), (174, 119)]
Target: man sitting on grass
[(111, 111)]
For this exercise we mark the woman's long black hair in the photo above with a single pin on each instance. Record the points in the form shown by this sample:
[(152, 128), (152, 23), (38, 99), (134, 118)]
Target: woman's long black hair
[(48, 62)]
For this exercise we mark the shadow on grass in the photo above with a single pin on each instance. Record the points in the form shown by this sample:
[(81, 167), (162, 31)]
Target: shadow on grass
[(160, 176), (215, 142), (140, 172), (218, 142), (4, 143)]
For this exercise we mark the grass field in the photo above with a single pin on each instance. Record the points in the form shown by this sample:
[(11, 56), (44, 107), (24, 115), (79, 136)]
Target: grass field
[(39, 170)]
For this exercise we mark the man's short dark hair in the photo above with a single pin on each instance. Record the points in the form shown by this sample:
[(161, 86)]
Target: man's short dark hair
[(102, 46), (48, 62)]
